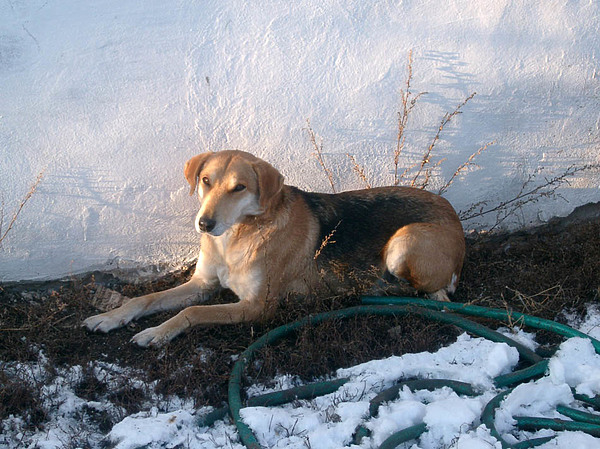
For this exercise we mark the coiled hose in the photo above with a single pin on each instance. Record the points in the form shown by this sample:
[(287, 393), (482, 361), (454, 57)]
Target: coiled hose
[(437, 311)]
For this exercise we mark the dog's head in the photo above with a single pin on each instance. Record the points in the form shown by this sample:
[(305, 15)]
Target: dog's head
[(232, 185)]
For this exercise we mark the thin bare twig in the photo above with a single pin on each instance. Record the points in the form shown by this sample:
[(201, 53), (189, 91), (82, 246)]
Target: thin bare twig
[(525, 195), (318, 154), (462, 167), (427, 156), (27, 197), (408, 104), (326, 241), (360, 171), (428, 172)]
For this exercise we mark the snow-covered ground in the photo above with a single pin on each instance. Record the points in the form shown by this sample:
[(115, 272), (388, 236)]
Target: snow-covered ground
[(453, 421), (109, 98)]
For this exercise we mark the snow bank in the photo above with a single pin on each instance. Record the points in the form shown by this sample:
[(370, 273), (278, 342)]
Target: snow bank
[(134, 432), (453, 421), (110, 98)]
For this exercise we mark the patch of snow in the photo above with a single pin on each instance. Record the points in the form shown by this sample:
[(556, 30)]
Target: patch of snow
[(473, 360), (591, 322), (145, 428), (519, 335), (111, 98), (577, 364), (453, 421)]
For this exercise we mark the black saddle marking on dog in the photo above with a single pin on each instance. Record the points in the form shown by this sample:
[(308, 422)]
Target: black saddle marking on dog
[(362, 222)]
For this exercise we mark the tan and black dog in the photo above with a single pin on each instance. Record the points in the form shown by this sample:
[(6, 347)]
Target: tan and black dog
[(263, 239)]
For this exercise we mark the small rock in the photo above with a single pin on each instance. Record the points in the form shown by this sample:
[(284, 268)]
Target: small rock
[(106, 299)]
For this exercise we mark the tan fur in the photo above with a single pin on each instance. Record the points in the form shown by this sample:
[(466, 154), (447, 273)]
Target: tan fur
[(259, 239), (426, 251)]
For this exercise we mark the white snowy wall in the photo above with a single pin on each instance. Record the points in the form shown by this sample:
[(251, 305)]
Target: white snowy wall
[(111, 97)]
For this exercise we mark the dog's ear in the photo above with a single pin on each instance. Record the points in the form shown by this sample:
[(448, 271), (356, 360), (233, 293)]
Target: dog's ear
[(270, 182), (193, 167)]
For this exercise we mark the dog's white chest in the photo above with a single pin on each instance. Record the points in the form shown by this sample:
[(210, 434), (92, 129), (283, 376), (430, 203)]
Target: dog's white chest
[(222, 259), (223, 274), (233, 269), (245, 283)]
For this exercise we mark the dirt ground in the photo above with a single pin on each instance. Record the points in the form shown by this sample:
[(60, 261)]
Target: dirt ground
[(544, 271)]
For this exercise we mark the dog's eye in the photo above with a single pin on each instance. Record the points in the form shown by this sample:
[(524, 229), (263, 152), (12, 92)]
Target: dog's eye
[(239, 188), (206, 181)]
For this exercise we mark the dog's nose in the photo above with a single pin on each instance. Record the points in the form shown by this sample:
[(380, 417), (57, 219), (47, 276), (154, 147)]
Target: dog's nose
[(206, 224)]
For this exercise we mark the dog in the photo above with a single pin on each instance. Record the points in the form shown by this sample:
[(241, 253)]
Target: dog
[(263, 239)]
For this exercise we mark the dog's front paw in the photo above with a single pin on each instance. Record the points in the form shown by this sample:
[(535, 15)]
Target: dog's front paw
[(103, 322), (153, 336)]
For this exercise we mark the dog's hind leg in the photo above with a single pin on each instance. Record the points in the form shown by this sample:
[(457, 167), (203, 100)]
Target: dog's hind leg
[(428, 256)]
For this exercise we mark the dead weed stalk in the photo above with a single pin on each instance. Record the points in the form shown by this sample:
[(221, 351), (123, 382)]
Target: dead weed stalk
[(359, 170), (11, 223), (526, 195), (426, 159), (326, 241), (464, 166), (318, 154), (536, 302), (408, 103)]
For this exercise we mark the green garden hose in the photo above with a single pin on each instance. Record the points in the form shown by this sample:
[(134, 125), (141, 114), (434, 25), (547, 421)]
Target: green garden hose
[(484, 312), (578, 415), (410, 433), (535, 423), (394, 306), (274, 399)]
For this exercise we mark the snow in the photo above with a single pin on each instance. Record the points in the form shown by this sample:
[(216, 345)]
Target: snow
[(575, 364), (538, 398), (486, 359), (141, 430), (329, 421), (110, 98)]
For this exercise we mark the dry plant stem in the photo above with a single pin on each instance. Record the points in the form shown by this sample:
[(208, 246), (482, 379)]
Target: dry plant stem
[(536, 300), (427, 156), (408, 104), (360, 171), (525, 196), (27, 197), (319, 155), (326, 241), (464, 166), (512, 323), (429, 171)]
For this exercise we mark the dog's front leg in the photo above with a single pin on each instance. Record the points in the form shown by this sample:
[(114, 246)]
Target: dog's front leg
[(193, 291), (244, 310)]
